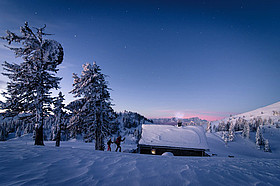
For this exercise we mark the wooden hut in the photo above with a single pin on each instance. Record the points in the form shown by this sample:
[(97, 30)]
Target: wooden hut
[(181, 141)]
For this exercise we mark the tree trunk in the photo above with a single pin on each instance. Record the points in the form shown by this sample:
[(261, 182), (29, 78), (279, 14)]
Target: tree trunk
[(39, 135), (58, 136), (98, 140)]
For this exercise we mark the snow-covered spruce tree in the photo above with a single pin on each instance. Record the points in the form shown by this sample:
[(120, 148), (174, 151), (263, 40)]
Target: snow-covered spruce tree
[(28, 90), (59, 114), (93, 112), (246, 130), (76, 122), (209, 127), (277, 124), (259, 137), (214, 128), (270, 122), (267, 146), (225, 136), (231, 134)]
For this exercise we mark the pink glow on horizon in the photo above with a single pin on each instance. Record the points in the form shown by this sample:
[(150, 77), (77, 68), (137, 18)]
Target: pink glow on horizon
[(207, 115), (208, 118)]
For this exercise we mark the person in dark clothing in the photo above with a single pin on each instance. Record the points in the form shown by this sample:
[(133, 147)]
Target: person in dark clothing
[(118, 143), (109, 144)]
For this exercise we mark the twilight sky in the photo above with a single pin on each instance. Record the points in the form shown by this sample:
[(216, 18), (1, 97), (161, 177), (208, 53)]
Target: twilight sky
[(164, 58)]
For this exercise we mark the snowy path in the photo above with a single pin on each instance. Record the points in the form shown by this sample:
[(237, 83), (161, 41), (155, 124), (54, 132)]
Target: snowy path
[(76, 163)]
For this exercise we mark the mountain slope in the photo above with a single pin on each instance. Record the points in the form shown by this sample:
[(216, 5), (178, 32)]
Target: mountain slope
[(265, 113)]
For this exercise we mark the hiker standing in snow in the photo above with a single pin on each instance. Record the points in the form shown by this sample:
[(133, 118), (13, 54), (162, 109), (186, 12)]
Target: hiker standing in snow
[(109, 144), (118, 143)]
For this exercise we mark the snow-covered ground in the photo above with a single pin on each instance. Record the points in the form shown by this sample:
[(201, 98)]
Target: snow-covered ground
[(77, 163), (268, 112)]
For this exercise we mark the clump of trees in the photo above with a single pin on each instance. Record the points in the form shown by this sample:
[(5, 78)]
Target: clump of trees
[(253, 125), (28, 95)]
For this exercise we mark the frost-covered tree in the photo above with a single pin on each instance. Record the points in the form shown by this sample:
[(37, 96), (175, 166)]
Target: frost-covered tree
[(267, 146), (223, 127), (225, 137), (231, 134), (129, 119), (259, 137), (92, 112), (246, 130), (28, 90), (277, 124), (76, 122), (239, 124), (270, 122), (209, 127), (214, 128), (59, 114)]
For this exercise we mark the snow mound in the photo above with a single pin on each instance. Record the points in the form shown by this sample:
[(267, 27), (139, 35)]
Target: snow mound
[(173, 136), (167, 154)]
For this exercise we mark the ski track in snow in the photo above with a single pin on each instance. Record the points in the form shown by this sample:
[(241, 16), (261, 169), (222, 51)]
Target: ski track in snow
[(76, 163)]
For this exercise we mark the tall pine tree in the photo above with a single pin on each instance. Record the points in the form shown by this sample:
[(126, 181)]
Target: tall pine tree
[(92, 112), (28, 90)]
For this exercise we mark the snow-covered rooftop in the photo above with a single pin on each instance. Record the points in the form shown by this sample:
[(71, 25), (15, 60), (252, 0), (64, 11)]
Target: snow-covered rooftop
[(173, 136)]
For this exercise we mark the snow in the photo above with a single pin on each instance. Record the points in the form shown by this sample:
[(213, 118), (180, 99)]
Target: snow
[(173, 136), (167, 154), (244, 148), (77, 163), (268, 112)]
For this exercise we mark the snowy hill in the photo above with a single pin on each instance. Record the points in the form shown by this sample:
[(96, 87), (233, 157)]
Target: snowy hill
[(265, 113)]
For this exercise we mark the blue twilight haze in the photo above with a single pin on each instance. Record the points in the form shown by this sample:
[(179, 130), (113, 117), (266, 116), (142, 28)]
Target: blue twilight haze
[(164, 58)]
